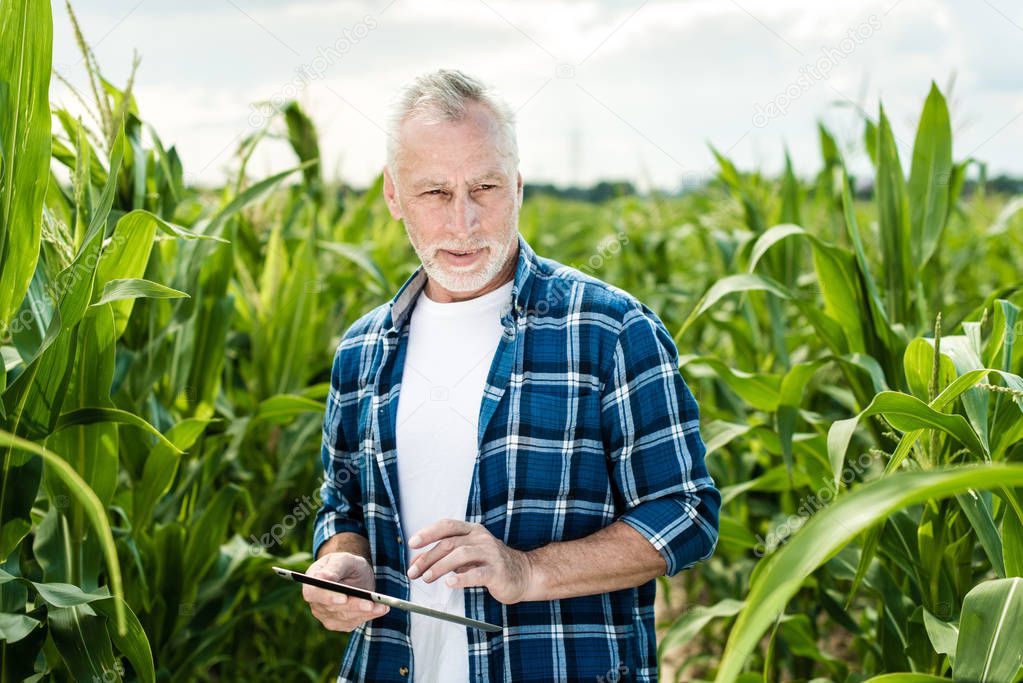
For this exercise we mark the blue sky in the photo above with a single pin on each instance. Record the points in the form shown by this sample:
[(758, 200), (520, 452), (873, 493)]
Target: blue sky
[(603, 90)]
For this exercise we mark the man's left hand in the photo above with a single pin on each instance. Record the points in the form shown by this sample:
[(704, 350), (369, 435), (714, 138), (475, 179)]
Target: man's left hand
[(476, 557)]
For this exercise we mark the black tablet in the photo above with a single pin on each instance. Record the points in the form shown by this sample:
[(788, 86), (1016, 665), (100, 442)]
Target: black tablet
[(397, 603)]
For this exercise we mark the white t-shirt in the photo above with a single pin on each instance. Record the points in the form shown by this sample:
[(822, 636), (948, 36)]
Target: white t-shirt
[(450, 349)]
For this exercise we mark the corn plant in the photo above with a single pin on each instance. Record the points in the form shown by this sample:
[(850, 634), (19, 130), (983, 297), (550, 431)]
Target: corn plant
[(923, 545), (117, 333), (166, 351)]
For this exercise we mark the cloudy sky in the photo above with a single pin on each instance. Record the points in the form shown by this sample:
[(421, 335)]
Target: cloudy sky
[(630, 89)]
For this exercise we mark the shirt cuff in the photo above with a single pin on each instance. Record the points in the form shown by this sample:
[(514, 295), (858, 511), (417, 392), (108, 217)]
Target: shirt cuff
[(684, 535), (330, 523)]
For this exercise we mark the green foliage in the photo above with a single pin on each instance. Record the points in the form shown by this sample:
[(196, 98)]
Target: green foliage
[(891, 562), (166, 351), (26, 32)]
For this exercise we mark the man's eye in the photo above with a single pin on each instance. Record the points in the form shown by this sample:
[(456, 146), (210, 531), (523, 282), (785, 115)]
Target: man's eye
[(487, 187), (434, 192)]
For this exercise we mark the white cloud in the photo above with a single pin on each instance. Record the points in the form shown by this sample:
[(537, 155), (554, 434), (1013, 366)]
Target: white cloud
[(664, 80)]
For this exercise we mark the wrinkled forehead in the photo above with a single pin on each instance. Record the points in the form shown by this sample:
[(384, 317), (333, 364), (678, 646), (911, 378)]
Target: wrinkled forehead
[(470, 149)]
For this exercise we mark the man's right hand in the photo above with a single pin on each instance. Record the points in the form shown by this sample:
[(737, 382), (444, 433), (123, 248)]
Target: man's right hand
[(337, 611)]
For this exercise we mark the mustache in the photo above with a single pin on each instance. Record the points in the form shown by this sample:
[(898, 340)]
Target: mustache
[(459, 247)]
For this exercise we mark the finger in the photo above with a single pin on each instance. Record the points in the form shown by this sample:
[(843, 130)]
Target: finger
[(335, 571), (459, 557), (322, 596), (422, 563), (334, 566), (349, 614), (343, 604), (325, 612), (323, 568), (314, 595), (369, 610), (475, 576), (333, 611), (357, 606), (438, 530), (348, 623), (328, 617)]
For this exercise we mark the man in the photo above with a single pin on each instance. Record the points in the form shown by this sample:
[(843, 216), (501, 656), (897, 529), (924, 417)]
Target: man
[(507, 438)]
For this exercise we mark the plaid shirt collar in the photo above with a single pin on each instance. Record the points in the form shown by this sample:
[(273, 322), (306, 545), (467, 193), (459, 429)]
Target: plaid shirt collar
[(400, 305)]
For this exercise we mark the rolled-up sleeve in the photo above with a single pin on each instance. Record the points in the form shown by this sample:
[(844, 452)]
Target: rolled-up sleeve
[(340, 495), (650, 423)]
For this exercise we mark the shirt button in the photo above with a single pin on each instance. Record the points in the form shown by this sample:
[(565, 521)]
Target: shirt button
[(399, 539), (403, 671)]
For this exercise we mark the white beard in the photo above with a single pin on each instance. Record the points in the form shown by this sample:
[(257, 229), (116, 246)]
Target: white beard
[(468, 278)]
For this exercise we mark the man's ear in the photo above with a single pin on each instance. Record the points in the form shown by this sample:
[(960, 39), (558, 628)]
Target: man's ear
[(391, 194), (519, 189)]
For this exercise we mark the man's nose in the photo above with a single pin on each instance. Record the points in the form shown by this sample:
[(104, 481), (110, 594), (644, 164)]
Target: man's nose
[(465, 219)]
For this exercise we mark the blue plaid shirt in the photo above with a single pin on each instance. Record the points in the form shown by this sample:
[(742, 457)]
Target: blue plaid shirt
[(585, 419)]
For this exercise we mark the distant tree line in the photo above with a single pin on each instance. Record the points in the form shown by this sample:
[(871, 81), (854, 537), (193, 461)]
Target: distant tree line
[(610, 189)]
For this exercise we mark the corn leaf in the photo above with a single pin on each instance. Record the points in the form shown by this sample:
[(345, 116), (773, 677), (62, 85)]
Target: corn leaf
[(930, 177), (990, 647), (26, 32), (905, 413), (93, 509), (136, 288), (93, 415), (780, 575), (893, 217)]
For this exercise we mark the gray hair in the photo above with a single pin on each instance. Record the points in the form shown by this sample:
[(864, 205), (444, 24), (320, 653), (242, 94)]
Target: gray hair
[(441, 96)]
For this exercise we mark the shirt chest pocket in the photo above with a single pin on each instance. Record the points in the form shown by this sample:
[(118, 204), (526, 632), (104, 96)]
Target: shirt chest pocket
[(560, 454)]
